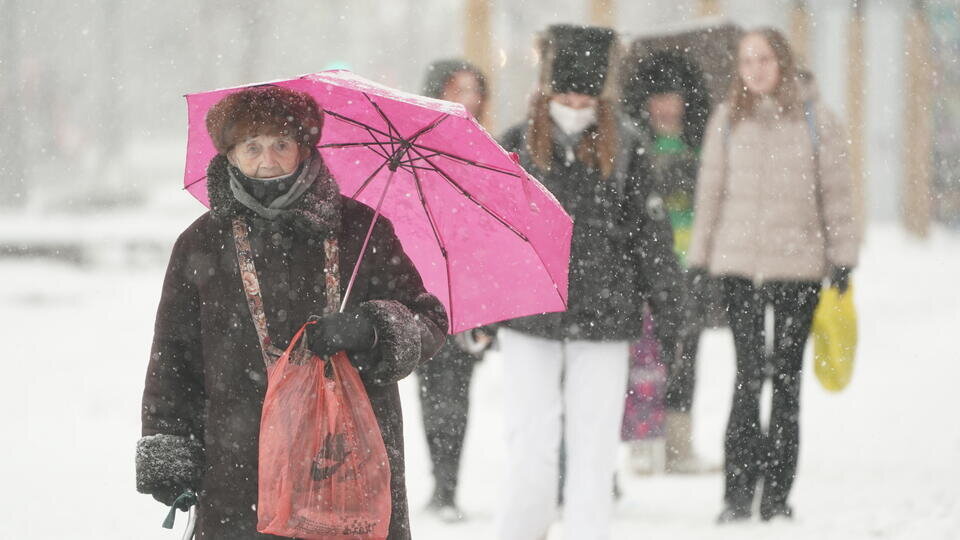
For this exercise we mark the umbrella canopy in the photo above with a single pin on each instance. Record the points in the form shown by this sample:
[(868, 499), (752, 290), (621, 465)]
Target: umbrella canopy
[(488, 239)]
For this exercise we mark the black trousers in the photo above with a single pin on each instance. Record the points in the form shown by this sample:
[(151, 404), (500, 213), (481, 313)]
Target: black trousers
[(751, 455), (445, 403), (681, 375), (682, 368)]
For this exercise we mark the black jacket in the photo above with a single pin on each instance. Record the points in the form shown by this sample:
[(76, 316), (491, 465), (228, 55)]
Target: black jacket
[(622, 248), (206, 380)]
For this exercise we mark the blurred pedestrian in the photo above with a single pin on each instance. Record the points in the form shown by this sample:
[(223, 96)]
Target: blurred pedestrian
[(568, 371), (666, 94), (773, 217), (445, 380), (207, 378)]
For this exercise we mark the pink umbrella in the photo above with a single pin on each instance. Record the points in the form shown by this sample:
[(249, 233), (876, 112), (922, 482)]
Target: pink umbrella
[(488, 239)]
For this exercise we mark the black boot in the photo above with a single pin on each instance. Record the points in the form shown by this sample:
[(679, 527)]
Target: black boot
[(733, 514), (769, 512), (443, 507)]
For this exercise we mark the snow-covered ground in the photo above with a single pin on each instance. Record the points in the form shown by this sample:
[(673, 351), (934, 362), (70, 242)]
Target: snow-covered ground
[(880, 460)]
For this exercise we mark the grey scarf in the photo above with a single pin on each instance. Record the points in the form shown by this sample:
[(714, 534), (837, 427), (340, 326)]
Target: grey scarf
[(309, 172)]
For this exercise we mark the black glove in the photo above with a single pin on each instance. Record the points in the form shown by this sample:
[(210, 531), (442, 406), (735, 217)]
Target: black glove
[(840, 278), (697, 279), (348, 331)]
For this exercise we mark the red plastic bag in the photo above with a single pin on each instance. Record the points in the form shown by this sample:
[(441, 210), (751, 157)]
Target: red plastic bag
[(323, 471)]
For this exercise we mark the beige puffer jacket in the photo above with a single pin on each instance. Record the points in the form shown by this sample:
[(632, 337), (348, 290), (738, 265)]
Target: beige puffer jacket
[(756, 212)]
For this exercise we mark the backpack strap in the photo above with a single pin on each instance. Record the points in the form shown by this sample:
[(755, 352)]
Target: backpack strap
[(810, 114)]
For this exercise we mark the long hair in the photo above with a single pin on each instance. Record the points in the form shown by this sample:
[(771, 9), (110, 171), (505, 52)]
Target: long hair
[(597, 147), (743, 102), (599, 143)]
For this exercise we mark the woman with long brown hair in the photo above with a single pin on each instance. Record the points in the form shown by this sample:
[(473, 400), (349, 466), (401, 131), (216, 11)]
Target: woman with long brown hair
[(773, 217), (567, 372)]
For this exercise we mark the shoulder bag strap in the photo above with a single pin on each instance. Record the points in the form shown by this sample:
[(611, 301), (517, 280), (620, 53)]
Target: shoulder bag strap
[(251, 286)]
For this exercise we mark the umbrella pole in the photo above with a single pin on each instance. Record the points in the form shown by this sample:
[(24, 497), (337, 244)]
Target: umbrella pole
[(363, 250)]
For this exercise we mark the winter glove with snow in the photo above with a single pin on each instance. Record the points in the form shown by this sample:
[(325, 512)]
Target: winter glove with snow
[(168, 465), (348, 331), (840, 278)]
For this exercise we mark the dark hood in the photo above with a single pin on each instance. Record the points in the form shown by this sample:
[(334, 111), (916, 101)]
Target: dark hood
[(666, 72)]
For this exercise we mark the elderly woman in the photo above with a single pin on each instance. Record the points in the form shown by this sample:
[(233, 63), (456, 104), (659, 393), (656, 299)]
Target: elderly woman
[(206, 380)]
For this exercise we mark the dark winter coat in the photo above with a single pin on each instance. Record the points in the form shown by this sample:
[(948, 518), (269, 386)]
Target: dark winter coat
[(206, 379), (621, 252)]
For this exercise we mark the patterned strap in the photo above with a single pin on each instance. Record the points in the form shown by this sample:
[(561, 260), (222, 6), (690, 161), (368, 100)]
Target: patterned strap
[(331, 272), (251, 287)]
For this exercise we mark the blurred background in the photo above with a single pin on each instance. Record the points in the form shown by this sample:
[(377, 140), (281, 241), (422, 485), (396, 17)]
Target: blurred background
[(94, 117), (92, 147)]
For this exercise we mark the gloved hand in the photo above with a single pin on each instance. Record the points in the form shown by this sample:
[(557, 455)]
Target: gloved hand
[(697, 277), (840, 278), (168, 465), (347, 331)]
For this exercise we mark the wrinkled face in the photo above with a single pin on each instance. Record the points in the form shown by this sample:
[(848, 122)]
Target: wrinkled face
[(758, 65), (463, 88), (666, 113), (266, 156), (575, 100)]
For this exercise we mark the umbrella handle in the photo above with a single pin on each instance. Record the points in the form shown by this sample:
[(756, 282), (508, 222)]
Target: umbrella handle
[(191, 523), (363, 250)]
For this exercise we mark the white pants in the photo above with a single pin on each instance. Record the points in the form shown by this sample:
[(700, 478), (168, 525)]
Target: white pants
[(591, 399)]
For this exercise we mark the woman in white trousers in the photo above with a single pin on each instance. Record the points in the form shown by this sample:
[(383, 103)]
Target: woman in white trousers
[(566, 373)]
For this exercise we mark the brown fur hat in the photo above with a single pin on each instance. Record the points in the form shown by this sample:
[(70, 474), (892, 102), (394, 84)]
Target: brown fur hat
[(264, 110)]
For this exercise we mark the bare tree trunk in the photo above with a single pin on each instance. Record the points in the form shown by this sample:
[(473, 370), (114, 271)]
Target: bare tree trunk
[(602, 12), (709, 8), (478, 47), (13, 186), (800, 32), (918, 123)]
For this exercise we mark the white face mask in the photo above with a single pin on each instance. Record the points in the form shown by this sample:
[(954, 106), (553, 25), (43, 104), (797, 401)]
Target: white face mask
[(572, 121)]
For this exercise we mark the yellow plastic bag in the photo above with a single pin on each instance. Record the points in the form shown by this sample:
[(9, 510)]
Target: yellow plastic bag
[(834, 338)]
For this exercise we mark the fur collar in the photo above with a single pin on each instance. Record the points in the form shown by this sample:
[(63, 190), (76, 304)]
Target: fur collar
[(317, 211)]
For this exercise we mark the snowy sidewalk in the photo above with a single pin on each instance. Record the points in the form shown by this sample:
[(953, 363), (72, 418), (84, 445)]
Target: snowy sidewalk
[(881, 460)]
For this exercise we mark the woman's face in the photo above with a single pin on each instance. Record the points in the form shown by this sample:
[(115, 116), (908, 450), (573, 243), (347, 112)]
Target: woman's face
[(575, 100), (758, 65), (463, 88), (266, 156)]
